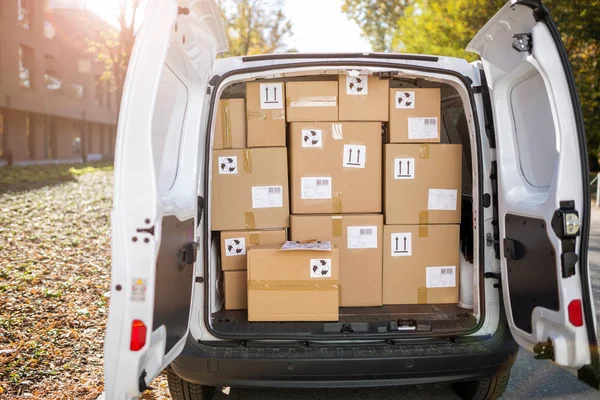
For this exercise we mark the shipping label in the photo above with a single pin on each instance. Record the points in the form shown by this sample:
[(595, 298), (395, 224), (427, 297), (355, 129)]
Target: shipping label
[(442, 199), (320, 268), (235, 247), (401, 244), (267, 196), (312, 138), (404, 168), (423, 128), (313, 246), (271, 96), (228, 165), (440, 277), (362, 237), (313, 188), (357, 85), (405, 99), (354, 156)]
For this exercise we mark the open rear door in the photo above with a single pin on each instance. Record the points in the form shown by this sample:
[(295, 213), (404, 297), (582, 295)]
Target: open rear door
[(543, 187), (155, 211)]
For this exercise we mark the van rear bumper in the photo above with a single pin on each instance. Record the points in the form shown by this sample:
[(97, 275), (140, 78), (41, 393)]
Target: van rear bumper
[(336, 366)]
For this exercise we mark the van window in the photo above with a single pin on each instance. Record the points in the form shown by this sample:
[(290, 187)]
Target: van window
[(167, 127)]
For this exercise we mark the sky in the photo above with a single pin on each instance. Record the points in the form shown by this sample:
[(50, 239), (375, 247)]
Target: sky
[(318, 25)]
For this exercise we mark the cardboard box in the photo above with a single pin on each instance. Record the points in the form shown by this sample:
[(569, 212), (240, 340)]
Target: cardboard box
[(265, 110), (230, 126), (236, 291), (312, 101), (292, 285), (335, 167), (420, 264), (422, 183), (249, 189), (363, 98), (359, 239), (235, 245), (415, 115)]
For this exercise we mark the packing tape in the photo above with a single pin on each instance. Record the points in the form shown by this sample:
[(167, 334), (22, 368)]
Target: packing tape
[(336, 198), (312, 101), (339, 294), (278, 114), (423, 217), (421, 295), (336, 226), (423, 231), (256, 115), (336, 131), (254, 238), (249, 220), (272, 284), (424, 151), (226, 123), (248, 161)]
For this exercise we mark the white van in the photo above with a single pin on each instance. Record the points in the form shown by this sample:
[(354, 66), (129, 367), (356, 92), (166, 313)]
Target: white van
[(525, 237)]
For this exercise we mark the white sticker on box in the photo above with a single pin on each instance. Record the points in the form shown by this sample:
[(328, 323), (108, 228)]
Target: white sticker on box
[(354, 156), (312, 138), (357, 85), (313, 188), (267, 196), (405, 99), (404, 168), (337, 132), (362, 237), (320, 268), (228, 165), (401, 244), (423, 128), (442, 199), (271, 96), (235, 247), (440, 277)]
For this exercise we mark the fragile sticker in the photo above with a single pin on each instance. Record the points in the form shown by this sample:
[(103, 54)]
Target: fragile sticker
[(354, 156), (320, 268), (312, 138), (357, 85), (312, 188), (138, 290), (235, 247), (440, 277), (362, 237), (442, 199), (228, 165), (401, 244), (267, 196), (423, 128), (271, 96), (404, 168), (405, 99)]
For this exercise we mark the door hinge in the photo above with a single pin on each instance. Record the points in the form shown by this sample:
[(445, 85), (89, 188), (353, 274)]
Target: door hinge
[(567, 226), (522, 42), (494, 275), (187, 255), (544, 351), (489, 240), (385, 74)]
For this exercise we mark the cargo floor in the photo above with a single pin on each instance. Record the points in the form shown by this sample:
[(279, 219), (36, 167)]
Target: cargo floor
[(422, 318)]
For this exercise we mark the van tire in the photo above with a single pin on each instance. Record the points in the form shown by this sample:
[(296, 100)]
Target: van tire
[(183, 390), (483, 389)]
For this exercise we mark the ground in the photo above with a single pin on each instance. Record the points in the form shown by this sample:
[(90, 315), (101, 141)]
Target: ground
[(54, 290)]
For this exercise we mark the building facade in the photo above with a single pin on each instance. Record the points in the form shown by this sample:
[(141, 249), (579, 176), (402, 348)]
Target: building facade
[(53, 104)]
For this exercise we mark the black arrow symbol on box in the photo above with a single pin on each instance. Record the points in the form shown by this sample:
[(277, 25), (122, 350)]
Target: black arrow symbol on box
[(275, 93), (400, 168), (350, 155), (396, 243), (267, 93), (358, 156), (404, 243), (408, 168)]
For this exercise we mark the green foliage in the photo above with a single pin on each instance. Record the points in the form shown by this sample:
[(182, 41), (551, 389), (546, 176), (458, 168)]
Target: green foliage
[(254, 26)]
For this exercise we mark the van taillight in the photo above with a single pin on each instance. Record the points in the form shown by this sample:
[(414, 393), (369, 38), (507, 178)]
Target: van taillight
[(138, 335), (575, 313)]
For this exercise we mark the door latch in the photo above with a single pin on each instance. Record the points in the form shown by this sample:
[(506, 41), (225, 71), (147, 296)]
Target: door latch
[(544, 351), (522, 42), (187, 255), (567, 226)]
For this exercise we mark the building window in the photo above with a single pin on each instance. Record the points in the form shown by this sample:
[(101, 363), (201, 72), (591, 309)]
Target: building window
[(26, 62), (99, 91), (24, 13), (76, 91), (49, 30)]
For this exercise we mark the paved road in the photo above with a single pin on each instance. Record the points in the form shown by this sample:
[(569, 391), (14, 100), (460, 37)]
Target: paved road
[(530, 379)]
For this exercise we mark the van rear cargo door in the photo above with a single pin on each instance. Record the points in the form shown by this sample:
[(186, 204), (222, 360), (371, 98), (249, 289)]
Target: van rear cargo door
[(543, 187), (155, 212)]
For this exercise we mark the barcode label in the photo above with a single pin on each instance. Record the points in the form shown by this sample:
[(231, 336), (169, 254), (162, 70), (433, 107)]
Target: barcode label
[(274, 189), (430, 121), (366, 232), (267, 196), (362, 237), (322, 182), (446, 271), (423, 128), (440, 277), (313, 188)]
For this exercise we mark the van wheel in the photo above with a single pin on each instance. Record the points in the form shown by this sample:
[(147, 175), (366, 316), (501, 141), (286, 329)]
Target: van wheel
[(483, 389), (183, 390)]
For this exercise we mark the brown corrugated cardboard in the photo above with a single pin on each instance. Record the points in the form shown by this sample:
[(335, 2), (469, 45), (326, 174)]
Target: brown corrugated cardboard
[(249, 189), (359, 239), (420, 264), (363, 98), (415, 115), (235, 244), (292, 285), (422, 183), (230, 126), (312, 101), (236, 292), (335, 167), (265, 110)]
